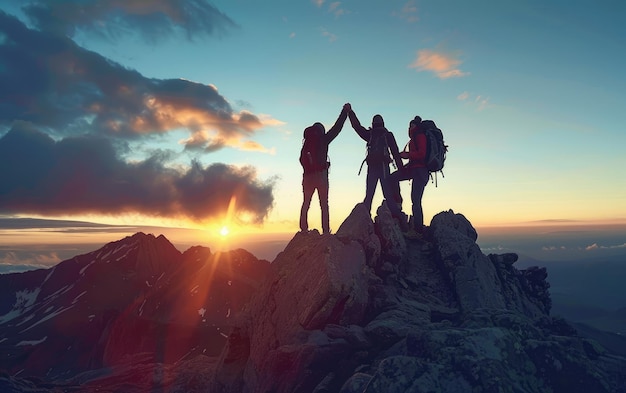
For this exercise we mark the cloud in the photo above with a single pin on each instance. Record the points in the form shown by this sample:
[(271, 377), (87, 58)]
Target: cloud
[(331, 37), (553, 248), (32, 260), (408, 12), (595, 246), (55, 84), (85, 174), (333, 7), (153, 20), (480, 101), (68, 116), (442, 65)]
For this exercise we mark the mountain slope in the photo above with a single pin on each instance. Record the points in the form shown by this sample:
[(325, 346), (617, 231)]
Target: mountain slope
[(137, 295)]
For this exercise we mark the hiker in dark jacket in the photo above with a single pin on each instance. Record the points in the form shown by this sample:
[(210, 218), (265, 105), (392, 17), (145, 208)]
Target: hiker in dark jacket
[(379, 142), (315, 177), (415, 170)]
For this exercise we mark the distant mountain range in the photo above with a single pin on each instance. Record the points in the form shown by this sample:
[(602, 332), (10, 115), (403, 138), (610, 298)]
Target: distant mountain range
[(122, 301)]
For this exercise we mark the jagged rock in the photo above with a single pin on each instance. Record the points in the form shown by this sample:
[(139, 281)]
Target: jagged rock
[(315, 282), (358, 226), (473, 275), (508, 258), (393, 243), (457, 222)]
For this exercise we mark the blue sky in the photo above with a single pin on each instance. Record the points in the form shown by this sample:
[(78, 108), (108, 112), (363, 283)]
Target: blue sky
[(209, 99)]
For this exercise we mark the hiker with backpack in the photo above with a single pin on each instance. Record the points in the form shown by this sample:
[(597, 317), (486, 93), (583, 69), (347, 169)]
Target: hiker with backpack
[(426, 153), (315, 163), (380, 142)]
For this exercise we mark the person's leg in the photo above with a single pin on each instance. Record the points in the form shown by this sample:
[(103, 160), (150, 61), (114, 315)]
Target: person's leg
[(322, 192), (391, 190), (420, 179), (307, 190), (373, 174)]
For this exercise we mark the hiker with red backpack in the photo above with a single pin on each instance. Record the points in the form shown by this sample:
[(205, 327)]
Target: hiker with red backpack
[(315, 163), (426, 153), (380, 142)]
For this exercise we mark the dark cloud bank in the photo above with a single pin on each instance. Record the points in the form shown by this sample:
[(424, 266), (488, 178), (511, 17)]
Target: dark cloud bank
[(67, 115)]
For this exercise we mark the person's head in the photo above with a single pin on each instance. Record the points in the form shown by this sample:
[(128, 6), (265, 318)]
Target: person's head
[(317, 129), (377, 121), (414, 125), (320, 126)]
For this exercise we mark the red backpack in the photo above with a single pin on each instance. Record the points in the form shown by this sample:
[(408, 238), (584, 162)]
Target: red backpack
[(312, 155)]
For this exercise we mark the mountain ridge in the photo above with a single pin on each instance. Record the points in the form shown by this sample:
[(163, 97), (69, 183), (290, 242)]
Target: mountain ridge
[(110, 304), (364, 310)]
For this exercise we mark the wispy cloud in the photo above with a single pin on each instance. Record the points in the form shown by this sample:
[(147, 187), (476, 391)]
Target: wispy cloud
[(334, 7), (408, 12), (33, 259), (480, 101), (331, 37), (553, 248), (444, 66), (596, 246), (591, 247)]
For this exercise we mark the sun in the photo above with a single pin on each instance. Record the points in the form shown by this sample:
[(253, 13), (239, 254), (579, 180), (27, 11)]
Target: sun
[(224, 231)]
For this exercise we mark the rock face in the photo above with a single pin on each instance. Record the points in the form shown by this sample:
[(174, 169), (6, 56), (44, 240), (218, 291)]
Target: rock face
[(366, 310), (283, 332)]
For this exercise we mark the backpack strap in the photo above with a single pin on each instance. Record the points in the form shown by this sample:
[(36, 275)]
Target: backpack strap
[(361, 167)]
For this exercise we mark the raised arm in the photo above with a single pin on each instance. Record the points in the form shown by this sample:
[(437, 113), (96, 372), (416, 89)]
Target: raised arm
[(356, 124), (336, 128)]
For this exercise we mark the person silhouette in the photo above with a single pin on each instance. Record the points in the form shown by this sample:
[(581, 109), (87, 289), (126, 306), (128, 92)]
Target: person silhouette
[(416, 171), (382, 150), (315, 164)]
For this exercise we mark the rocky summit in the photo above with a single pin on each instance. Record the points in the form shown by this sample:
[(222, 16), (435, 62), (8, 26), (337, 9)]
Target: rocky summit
[(363, 310), (369, 311)]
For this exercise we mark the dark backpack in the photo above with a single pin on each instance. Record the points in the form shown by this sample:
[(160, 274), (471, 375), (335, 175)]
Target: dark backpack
[(312, 155), (377, 148), (436, 149)]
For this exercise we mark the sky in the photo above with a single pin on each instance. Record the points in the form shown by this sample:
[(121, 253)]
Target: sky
[(189, 113)]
